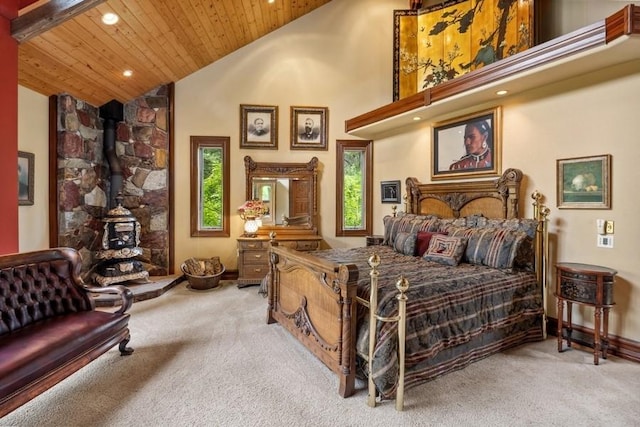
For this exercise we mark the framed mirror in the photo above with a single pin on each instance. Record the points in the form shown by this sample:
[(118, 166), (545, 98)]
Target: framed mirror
[(289, 193)]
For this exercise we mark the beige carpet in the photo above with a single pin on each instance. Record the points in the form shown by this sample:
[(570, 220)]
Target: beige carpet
[(207, 358)]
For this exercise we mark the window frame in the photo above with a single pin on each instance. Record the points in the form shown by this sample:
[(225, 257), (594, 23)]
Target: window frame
[(366, 146), (198, 143)]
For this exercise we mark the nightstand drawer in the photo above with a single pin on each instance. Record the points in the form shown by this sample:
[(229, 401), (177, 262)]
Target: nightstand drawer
[(255, 271), (253, 244), (584, 288), (255, 257)]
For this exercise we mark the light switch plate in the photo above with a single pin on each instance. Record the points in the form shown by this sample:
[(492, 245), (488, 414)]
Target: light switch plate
[(609, 227)]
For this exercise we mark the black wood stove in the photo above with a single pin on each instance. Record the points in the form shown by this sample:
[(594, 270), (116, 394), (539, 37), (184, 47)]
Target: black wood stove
[(119, 248)]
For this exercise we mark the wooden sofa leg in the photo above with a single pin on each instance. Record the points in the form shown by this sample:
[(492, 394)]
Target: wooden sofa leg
[(124, 350)]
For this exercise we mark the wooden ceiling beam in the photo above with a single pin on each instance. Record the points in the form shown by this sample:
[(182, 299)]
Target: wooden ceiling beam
[(48, 16)]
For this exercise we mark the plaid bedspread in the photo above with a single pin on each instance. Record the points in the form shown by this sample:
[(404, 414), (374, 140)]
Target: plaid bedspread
[(455, 315)]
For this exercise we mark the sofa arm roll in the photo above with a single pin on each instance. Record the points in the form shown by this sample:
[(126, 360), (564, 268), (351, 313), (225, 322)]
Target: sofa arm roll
[(123, 292)]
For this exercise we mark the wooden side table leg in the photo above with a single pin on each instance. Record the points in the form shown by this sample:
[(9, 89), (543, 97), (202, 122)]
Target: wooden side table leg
[(560, 321), (569, 323), (605, 333), (597, 347)]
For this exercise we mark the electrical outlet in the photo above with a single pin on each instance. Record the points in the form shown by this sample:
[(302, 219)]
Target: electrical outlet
[(608, 227), (605, 241)]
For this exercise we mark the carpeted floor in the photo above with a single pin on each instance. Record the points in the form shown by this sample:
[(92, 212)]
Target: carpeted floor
[(207, 358)]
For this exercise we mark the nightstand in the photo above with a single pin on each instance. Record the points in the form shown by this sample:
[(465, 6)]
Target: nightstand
[(374, 240), (253, 254), (590, 285)]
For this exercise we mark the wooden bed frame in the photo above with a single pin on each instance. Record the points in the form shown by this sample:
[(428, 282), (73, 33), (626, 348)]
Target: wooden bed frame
[(315, 300)]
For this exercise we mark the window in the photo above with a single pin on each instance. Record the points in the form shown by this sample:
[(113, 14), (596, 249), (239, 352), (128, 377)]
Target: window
[(354, 179), (210, 186)]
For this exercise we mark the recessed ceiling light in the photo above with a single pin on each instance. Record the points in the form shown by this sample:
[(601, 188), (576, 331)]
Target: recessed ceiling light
[(416, 118), (271, 1), (127, 73), (502, 92), (110, 18)]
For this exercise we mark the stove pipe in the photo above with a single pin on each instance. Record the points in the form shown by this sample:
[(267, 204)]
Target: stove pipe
[(112, 113)]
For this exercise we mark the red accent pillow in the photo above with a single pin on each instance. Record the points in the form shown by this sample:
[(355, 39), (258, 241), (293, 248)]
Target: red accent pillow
[(423, 240)]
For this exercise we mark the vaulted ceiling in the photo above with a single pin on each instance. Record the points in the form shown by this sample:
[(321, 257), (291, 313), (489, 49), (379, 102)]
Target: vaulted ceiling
[(160, 41)]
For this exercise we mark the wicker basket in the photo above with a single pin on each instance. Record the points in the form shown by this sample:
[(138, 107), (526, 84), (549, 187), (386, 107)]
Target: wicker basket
[(202, 282)]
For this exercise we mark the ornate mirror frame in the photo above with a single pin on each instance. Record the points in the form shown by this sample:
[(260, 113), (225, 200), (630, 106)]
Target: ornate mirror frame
[(294, 171)]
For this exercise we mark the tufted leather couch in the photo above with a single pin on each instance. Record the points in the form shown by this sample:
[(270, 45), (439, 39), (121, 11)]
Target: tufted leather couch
[(49, 327)]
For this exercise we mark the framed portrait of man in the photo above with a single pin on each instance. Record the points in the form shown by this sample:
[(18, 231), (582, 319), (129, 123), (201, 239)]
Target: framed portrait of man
[(25, 178), (467, 146), (259, 126), (309, 128)]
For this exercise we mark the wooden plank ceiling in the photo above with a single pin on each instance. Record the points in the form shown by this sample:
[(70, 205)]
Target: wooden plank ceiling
[(161, 41)]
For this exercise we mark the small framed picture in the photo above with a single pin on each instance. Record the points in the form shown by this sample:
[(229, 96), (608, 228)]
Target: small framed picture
[(467, 146), (309, 128), (25, 177), (259, 126), (390, 191), (584, 182)]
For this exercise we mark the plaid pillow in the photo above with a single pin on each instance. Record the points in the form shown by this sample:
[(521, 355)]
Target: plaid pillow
[(422, 241), (446, 249)]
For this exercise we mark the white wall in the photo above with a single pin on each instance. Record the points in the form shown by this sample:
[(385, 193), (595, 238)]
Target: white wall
[(33, 137)]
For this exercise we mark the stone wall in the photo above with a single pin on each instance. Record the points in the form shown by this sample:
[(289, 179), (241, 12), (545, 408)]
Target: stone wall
[(142, 147)]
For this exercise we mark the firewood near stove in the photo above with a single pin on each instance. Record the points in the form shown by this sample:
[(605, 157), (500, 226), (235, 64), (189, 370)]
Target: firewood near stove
[(203, 267)]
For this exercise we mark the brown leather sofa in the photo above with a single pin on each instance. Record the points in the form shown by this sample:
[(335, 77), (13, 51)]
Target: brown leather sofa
[(49, 327)]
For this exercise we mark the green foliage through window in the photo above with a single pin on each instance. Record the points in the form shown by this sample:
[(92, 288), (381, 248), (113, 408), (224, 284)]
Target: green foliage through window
[(354, 177), (209, 190), (353, 189), (212, 192)]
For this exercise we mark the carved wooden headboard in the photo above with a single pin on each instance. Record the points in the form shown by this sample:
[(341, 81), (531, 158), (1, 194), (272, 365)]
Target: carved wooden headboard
[(497, 198)]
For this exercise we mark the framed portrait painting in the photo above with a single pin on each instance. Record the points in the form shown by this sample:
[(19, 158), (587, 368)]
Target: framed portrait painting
[(259, 126), (309, 128), (467, 146), (25, 177), (584, 182), (390, 191)]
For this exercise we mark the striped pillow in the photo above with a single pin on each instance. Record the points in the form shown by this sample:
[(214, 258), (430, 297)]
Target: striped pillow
[(405, 243), (493, 247), (410, 223)]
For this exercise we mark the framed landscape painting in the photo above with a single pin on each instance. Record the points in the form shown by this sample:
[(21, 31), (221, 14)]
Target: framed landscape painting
[(584, 182)]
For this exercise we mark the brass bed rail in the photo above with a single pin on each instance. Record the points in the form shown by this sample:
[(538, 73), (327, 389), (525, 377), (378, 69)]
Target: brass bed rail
[(402, 285), (541, 213)]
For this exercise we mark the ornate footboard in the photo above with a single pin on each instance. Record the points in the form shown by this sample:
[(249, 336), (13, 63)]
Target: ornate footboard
[(315, 300)]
